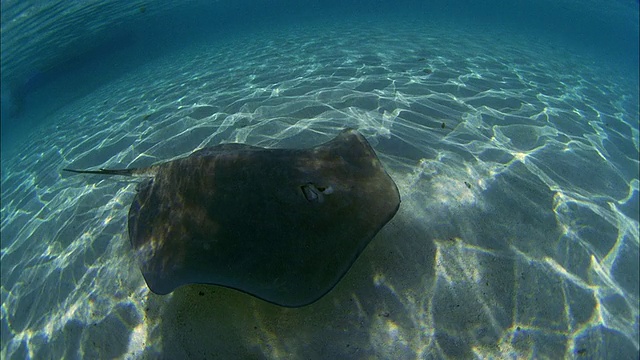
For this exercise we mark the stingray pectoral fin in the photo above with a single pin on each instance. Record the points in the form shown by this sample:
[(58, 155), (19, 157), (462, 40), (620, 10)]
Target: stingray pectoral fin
[(123, 172)]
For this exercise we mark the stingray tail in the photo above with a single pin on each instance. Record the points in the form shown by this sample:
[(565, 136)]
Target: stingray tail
[(123, 172)]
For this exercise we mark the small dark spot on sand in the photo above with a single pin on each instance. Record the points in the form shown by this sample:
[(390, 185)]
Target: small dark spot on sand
[(146, 117), (385, 314), (486, 283), (581, 352), (427, 71), (422, 59), (202, 112), (468, 185), (201, 293), (146, 309), (518, 328), (255, 328), (348, 345), (443, 125)]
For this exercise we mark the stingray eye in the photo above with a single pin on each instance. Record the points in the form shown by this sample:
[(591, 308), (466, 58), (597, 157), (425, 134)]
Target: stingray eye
[(326, 190), (315, 193), (310, 192)]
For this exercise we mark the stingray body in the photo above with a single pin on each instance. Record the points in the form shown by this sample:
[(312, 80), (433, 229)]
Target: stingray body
[(284, 225)]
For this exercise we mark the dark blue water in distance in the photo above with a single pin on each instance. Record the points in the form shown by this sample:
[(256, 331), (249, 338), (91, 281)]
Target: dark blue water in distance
[(509, 127)]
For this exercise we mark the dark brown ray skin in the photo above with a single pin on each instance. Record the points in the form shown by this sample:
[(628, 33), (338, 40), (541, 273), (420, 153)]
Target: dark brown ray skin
[(283, 225)]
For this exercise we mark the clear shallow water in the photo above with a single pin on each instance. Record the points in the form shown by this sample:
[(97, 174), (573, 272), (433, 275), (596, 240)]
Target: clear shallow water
[(517, 235)]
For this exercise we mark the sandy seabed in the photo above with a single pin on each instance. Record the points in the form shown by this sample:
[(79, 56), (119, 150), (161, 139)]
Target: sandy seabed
[(517, 235)]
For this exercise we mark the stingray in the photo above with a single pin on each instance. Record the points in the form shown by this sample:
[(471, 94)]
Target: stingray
[(284, 225)]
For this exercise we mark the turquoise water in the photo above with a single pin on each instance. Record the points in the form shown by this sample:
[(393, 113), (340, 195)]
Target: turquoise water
[(512, 134)]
